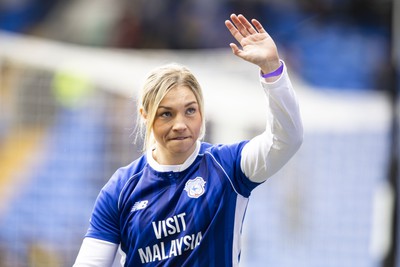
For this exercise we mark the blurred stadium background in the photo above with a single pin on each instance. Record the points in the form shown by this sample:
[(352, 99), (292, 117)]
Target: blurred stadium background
[(69, 74)]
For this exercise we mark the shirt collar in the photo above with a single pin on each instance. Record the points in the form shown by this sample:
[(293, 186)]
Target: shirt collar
[(173, 168)]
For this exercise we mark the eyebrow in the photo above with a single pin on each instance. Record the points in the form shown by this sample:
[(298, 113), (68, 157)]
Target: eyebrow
[(187, 104)]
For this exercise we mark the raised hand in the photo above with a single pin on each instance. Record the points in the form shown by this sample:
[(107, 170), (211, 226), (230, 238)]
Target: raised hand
[(257, 46)]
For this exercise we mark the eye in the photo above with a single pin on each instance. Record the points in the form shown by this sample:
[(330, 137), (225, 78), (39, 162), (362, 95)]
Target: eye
[(165, 114), (191, 111)]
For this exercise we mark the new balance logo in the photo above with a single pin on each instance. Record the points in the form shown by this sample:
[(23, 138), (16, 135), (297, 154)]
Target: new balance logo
[(139, 205)]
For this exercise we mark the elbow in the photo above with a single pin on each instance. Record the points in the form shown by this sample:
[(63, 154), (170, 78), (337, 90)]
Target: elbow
[(297, 141), (294, 136), (290, 142), (298, 136), (294, 142)]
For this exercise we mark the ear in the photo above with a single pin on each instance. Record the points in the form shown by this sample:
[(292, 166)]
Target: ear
[(143, 113)]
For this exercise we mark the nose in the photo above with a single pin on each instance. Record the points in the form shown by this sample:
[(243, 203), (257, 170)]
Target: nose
[(179, 123)]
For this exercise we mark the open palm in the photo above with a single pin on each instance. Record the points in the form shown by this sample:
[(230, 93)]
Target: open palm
[(257, 45)]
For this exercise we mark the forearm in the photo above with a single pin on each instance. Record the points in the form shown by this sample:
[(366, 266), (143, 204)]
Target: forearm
[(265, 154), (96, 253)]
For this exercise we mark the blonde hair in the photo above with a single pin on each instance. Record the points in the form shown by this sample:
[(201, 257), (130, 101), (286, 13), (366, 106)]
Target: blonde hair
[(158, 83)]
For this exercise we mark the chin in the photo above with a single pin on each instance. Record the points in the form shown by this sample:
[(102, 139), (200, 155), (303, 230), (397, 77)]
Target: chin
[(182, 148)]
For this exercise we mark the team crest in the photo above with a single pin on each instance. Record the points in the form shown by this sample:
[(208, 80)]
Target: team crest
[(195, 187)]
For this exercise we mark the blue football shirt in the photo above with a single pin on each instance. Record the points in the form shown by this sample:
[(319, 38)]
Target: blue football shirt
[(190, 217)]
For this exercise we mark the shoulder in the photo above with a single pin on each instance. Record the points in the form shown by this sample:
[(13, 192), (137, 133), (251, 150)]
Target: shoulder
[(227, 158), (125, 174), (219, 150), (226, 155)]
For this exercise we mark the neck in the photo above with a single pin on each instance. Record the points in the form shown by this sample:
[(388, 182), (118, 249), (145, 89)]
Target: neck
[(176, 166), (167, 158)]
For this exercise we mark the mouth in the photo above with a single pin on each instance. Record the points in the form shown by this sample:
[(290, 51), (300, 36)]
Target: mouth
[(179, 138)]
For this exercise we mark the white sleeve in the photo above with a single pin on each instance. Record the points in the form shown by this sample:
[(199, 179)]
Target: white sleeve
[(96, 253), (266, 153)]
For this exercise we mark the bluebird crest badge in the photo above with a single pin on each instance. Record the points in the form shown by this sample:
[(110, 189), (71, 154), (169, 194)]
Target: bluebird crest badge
[(195, 187)]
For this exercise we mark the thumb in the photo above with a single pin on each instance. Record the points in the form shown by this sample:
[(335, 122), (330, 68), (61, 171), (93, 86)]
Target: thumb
[(235, 49)]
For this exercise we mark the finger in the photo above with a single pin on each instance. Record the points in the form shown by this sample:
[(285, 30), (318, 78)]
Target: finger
[(235, 48), (234, 31), (258, 26), (247, 24), (238, 24)]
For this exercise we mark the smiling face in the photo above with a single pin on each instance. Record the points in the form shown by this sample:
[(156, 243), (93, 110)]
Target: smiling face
[(176, 127)]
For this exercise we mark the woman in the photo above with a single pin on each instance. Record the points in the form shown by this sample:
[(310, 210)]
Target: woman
[(183, 202)]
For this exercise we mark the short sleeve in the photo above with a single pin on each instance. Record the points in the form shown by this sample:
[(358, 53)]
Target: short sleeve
[(104, 222), (229, 157)]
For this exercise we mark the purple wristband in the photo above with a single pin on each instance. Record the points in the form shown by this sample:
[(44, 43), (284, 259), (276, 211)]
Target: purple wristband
[(276, 72)]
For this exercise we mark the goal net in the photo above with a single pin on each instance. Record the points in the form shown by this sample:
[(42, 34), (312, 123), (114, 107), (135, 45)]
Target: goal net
[(67, 120)]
